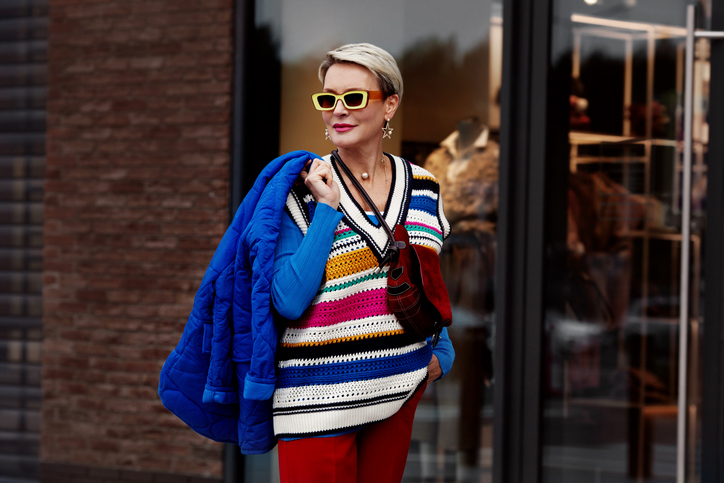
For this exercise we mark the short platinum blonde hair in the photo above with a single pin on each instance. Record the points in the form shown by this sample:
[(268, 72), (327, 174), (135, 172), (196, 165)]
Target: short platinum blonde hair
[(377, 60)]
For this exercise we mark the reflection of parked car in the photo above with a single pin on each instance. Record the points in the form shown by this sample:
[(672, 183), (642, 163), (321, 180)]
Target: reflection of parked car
[(566, 333), (659, 306), (592, 360), (467, 318), (574, 353)]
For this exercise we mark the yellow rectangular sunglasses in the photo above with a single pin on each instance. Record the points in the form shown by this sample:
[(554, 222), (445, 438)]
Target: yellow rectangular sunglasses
[(326, 101)]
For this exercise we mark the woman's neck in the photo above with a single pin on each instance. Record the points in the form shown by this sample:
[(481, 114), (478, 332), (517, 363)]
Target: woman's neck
[(362, 161), (371, 172)]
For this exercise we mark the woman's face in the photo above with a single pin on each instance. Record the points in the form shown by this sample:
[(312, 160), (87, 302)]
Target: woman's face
[(355, 128)]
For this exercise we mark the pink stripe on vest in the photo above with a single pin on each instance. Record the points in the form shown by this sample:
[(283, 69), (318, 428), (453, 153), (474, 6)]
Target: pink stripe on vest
[(357, 306)]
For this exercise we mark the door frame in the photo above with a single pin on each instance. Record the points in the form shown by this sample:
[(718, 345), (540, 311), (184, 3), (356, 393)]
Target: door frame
[(524, 144), (713, 347)]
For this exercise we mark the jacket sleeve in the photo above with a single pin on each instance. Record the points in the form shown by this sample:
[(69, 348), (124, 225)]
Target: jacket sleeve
[(260, 381), (259, 246), (221, 381)]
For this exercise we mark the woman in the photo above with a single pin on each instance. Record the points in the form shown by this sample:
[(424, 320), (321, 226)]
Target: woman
[(349, 378)]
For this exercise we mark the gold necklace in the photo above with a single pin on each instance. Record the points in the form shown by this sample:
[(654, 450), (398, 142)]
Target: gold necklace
[(365, 175)]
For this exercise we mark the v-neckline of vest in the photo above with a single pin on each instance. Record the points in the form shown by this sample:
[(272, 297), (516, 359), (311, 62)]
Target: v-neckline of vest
[(395, 208)]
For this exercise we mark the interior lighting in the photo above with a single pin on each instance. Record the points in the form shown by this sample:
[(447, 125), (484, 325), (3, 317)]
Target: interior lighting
[(591, 2)]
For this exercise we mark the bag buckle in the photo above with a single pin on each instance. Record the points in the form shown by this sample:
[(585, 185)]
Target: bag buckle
[(392, 254), (435, 339)]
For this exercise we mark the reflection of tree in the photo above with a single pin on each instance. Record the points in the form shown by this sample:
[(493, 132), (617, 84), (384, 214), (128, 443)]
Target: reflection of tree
[(602, 74), (638, 114), (301, 125), (602, 77), (665, 92), (444, 86)]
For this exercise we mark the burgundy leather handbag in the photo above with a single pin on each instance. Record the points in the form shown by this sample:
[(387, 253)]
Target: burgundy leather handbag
[(416, 293)]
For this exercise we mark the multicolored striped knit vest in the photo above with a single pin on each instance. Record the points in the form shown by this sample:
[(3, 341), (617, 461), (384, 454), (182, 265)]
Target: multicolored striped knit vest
[(347, 361)]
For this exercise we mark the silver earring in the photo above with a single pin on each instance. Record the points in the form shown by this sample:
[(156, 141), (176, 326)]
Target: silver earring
[(387, 130), (326, 134)]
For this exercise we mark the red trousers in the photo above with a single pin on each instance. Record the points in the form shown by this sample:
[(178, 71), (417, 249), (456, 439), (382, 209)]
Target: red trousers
[(376, 453)]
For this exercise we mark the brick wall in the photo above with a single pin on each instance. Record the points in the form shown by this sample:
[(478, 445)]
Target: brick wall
[(65, 473), (136, 199)]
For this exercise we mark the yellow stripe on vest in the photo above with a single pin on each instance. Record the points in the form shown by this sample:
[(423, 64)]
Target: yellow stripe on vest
[(350, 263), (345, 339)]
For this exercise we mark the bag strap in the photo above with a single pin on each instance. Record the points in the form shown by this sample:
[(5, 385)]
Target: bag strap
[(394, 245)]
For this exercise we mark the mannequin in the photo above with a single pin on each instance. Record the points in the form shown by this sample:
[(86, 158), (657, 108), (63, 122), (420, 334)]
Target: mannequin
[(466, 167)]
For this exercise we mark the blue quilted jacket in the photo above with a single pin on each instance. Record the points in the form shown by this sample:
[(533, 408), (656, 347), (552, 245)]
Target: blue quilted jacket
[(219, 379)]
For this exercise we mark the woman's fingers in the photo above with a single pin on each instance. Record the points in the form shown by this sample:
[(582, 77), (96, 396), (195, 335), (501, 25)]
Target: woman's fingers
[(327, 172), (305, 170), (321, 170), (320, 181)]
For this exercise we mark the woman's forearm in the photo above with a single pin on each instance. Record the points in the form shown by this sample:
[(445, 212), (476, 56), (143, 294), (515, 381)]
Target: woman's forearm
[(299, 261)]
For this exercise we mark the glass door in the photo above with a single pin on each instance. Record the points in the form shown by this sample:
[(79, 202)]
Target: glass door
[(623, 325)]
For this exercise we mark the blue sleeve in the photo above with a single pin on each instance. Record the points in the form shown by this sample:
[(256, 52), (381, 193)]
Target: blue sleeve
[(299, 260), (444, 352)]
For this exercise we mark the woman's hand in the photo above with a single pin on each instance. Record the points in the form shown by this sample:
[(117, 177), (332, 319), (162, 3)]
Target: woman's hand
[(433, 369), (320, 181)]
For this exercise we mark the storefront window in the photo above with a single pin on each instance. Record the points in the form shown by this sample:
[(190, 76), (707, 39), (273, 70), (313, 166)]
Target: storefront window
[(450, 54), (613, 353)]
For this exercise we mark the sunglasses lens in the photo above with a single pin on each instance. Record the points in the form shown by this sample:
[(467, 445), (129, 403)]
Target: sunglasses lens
[(354, 99), (326, 101)]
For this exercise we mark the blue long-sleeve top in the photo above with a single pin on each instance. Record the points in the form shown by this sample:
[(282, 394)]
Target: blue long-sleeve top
[(299, 263)]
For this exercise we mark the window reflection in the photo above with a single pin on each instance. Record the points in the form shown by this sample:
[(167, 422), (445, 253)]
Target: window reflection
[(450, 54), (611, 361), (466, 166)]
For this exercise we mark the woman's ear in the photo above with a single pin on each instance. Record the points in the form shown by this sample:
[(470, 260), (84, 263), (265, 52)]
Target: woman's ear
[(391, 105)]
